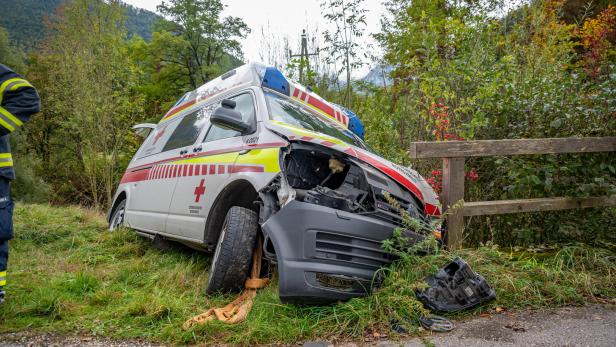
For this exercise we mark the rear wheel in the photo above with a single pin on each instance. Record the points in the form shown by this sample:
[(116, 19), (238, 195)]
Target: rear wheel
[(117, 216), (233, 257)]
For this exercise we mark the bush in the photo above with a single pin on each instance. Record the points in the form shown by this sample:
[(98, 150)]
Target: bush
[(29, 186)]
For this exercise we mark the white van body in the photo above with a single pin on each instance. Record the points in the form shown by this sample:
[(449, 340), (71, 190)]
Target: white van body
[(181, 182)]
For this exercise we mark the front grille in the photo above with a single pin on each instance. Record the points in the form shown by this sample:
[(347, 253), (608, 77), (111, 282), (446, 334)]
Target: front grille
[(352, 250), (343, 283), (388, 213)]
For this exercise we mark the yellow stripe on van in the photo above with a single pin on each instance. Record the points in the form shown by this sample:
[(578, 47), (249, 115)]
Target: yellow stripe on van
[(303, 132), (225, 158), (268, 157)]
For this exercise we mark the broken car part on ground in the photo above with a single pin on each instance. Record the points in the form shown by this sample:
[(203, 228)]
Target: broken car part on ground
[(455, 287)]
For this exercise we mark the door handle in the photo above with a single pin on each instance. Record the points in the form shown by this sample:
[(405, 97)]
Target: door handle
[(184, 151), (197, 149)]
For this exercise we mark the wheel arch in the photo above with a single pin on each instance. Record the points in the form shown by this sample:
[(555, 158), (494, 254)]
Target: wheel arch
[(122, 195), (240, 192)]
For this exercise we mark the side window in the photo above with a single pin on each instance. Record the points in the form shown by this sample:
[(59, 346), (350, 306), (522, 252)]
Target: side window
[(245, 105), (186, 133), (156, 140)]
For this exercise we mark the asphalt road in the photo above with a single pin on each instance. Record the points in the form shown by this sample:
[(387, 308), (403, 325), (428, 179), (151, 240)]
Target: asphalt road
[(572, 326), (591, 325), (587, 326)]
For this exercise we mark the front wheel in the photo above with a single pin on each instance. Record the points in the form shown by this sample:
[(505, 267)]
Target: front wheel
[(233, 257), (117, 217)]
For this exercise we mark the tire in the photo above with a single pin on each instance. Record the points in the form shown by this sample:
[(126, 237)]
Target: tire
[(232, 259), (117, 217)]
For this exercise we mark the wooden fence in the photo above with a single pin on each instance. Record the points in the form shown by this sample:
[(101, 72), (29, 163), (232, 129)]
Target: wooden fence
[(454, 153)]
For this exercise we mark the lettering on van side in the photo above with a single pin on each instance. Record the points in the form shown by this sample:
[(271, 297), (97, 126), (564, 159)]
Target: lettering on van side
[(252, 140), (193, 209)]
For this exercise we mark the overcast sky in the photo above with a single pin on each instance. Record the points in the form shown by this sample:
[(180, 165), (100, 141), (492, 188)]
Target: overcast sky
[(283, 18)]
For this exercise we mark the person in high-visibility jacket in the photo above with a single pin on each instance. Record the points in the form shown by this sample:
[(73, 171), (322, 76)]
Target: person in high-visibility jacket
[(18, 102)]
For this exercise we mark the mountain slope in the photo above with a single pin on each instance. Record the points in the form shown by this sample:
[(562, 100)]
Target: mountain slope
[(25, 20), (379, 76)]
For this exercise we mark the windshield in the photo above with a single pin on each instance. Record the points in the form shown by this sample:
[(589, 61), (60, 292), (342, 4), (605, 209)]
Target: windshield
[(282, 109)]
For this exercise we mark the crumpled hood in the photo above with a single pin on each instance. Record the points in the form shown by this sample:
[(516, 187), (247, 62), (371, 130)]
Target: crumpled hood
[(406, 177)]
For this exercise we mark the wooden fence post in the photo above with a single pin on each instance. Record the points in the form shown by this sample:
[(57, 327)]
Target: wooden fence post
[(453, 192)]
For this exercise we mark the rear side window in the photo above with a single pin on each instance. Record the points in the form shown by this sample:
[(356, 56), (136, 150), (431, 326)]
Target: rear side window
[(186, 133), (157, 139), (245, 106)]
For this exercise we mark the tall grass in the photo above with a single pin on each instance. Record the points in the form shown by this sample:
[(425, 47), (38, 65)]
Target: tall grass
[(68, 275)]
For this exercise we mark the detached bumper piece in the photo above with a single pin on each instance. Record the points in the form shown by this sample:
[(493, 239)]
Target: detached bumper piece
[(455, 287)]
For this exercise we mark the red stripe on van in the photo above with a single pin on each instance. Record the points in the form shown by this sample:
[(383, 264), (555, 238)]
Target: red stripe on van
[(135, 176), (245, 168), (179, 108), (322, 106), (391, 173)]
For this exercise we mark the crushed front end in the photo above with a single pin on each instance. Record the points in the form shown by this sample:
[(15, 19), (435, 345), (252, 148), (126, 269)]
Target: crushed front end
[(324, 219)]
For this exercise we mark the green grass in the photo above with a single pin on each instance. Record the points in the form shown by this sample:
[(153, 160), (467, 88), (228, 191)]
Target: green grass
[(68, 275)]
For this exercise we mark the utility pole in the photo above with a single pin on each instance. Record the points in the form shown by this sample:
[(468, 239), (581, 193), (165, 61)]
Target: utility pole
[(303, 57)]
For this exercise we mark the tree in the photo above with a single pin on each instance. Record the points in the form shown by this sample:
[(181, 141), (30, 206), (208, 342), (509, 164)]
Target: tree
[(9, 54), (161, 83), (349, 19), (273, 48), (87, 82), (199, 40)]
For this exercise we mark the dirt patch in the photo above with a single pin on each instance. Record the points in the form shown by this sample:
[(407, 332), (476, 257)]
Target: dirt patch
[(27, 339)]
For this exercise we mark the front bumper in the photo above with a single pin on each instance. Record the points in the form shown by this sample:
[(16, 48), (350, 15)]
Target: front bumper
[(325, 255)]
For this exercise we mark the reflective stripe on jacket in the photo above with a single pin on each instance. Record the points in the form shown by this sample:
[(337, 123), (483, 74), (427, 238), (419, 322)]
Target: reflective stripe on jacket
[(18, 102)]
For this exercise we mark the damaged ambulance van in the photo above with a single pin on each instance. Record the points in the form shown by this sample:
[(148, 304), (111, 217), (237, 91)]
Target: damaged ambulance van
[(251, 153)]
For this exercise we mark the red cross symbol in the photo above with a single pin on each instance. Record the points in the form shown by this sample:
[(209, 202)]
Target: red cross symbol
[(159, 135), (200, 190)]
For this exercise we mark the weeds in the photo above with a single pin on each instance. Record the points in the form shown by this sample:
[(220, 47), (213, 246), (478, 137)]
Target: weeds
[(67, 275)]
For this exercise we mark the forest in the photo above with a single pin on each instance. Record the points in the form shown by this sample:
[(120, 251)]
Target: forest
[(457, 69)]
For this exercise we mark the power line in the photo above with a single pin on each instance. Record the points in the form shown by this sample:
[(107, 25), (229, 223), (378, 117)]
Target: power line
[(303, 57)]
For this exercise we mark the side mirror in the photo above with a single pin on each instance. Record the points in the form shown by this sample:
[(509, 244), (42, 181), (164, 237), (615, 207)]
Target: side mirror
[(227, 117), (144, 129)]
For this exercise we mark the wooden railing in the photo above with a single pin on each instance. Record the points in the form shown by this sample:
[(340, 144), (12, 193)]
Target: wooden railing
[(454, 153)]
